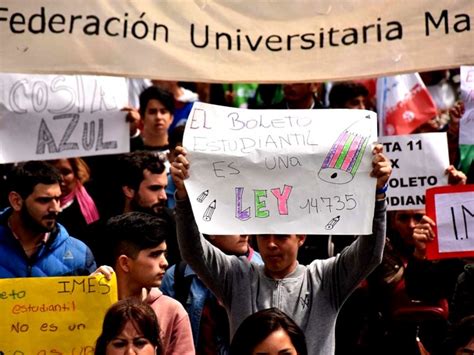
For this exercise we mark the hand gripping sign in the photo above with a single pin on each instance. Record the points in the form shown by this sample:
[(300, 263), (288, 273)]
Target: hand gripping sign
[(280, 171)]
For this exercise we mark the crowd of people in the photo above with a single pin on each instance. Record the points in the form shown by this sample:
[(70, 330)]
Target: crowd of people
[(182, 292)]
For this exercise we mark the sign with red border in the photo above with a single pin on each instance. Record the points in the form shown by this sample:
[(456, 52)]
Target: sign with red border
[(452, 208)]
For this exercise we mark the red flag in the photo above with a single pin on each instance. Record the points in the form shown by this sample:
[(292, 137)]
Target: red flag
[(403, 104)]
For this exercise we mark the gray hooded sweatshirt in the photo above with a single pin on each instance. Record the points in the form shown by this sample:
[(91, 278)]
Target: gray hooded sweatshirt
[(312, 295)]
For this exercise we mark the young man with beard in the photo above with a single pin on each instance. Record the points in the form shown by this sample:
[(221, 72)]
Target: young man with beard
[(32, 243), (143, 180)]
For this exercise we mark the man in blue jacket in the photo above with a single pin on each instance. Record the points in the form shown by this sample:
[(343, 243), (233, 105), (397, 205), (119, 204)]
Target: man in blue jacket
[(32, 243)]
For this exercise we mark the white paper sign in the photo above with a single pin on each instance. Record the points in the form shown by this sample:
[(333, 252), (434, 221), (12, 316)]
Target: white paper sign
[(466, 128), (455, 221), (61, 116), (418, 161), (281, 171)]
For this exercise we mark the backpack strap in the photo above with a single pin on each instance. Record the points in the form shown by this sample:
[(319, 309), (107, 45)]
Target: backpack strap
[(182, 284)]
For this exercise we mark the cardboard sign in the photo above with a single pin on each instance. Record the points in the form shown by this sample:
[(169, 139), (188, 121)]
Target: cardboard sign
[(281, 171), (231, 41), (452, 208), (53, 315), (418, 161), (58, 116)]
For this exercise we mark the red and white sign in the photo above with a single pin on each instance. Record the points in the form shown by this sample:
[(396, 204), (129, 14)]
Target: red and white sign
[(404, 104)]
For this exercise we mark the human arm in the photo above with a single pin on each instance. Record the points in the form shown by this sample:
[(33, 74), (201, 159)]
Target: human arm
[(90, 265), (344, 273), (426, 279), (133, 117), (455, 114), (212, 266), (455, 177)]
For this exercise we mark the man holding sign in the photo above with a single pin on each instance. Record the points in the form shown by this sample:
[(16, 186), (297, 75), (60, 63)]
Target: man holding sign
[(312, 295)]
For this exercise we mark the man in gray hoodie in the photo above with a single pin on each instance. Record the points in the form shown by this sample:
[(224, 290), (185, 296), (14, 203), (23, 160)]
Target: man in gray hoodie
[(312, 295)]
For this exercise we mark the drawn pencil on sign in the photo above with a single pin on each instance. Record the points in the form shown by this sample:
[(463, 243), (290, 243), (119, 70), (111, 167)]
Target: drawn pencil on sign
[(202, 196), (343, 159), (209, 211), (332, 223)]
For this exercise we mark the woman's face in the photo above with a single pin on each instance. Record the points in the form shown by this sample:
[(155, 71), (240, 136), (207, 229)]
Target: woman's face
[(68, 182), (277, 343), (130, 341)]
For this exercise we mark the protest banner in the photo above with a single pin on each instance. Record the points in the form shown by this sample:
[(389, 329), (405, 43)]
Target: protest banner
[(59, 116), (452, 209), (280, 171), (53, 315), (466, 125), (230, 41), (418, 161)]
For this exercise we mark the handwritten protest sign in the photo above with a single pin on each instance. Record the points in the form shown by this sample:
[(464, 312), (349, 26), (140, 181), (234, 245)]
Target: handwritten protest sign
[(269, 41), (418, 161), (281, 171), (59, 116), (60, 315), (466, 131), (452, 208)]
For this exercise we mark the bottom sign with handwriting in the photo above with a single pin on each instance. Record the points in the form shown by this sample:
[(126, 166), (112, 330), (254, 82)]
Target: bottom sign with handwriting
[(53, 315)]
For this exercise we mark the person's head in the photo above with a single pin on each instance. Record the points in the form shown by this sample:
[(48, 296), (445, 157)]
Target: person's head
[(33, 194), (130, 326), (279, 252), (349, 95), (231, 244), (138, 247), (143, 180), (72, 170), (299, 95), (460, 340), (175, 139), (271, 332), (156, 110), (403, 222)]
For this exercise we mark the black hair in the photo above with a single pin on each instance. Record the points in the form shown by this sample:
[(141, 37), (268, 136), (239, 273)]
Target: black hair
[(131, 167), (459, 336), (132, 232), (155, 93), (258, 326), (25, 176), (344, 91), (118, 315)]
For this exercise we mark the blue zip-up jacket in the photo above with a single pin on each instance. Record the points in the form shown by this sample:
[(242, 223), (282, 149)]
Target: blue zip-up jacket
[(61, 255), (198, 295)]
